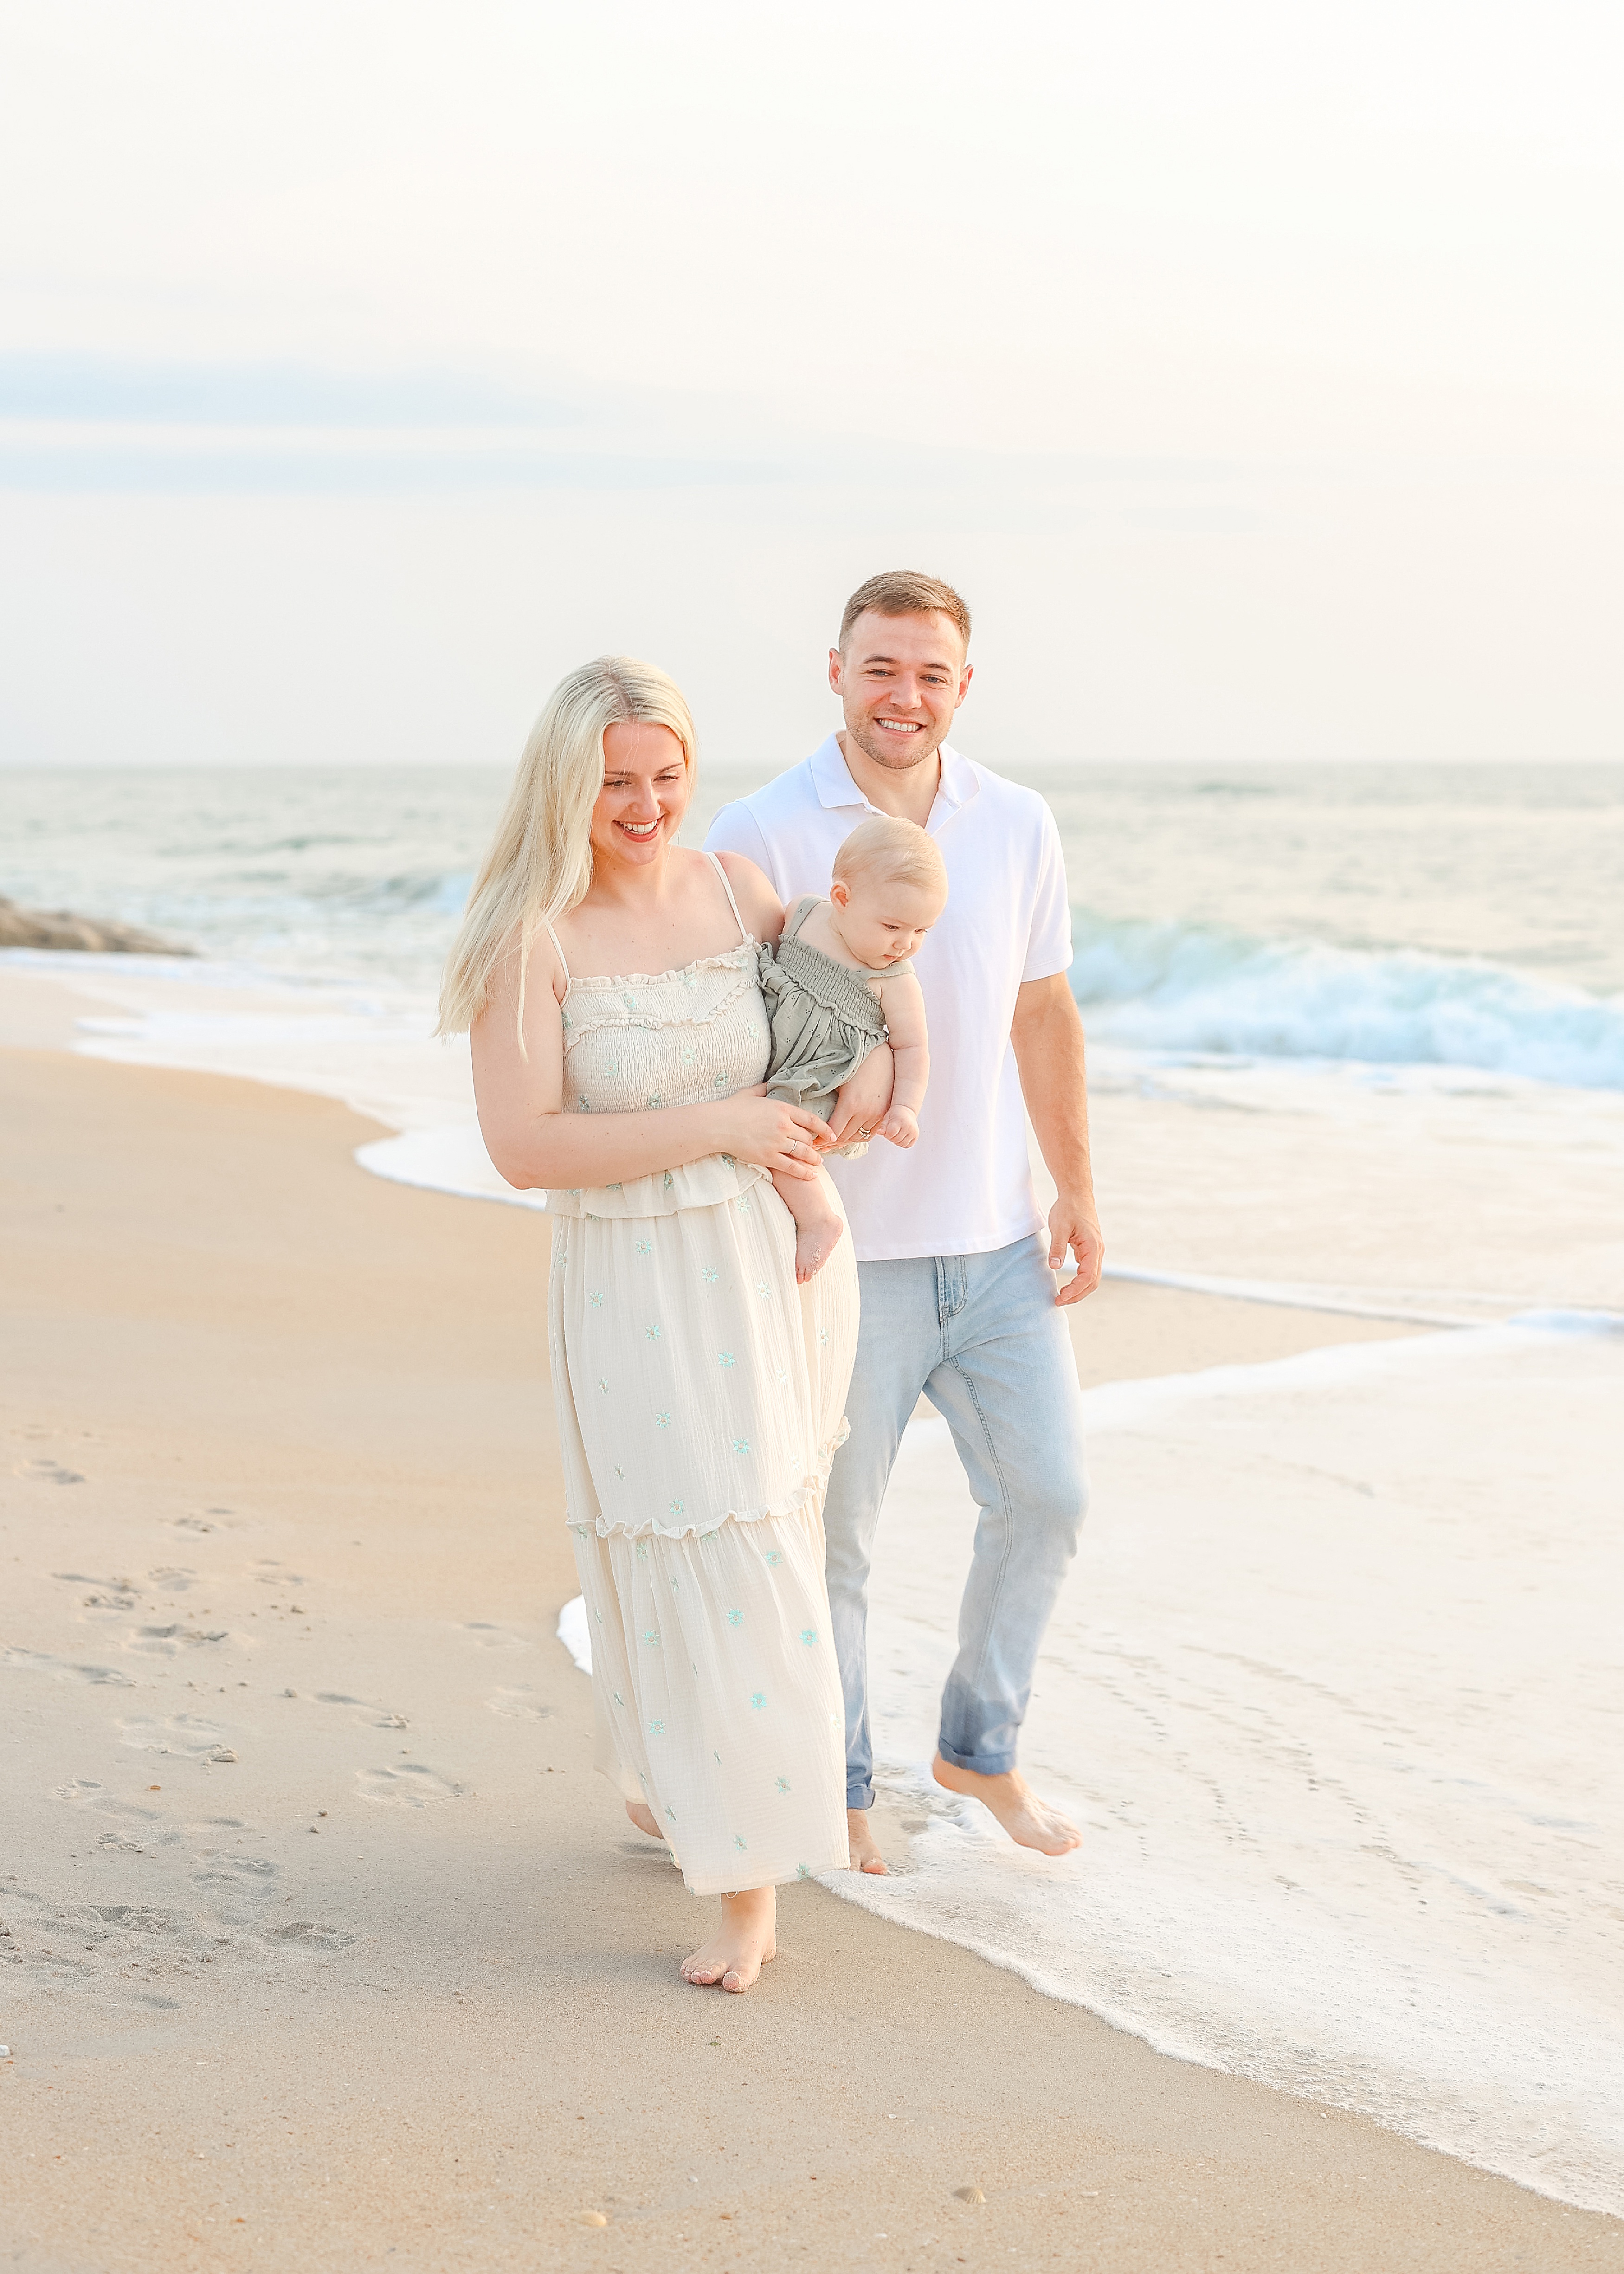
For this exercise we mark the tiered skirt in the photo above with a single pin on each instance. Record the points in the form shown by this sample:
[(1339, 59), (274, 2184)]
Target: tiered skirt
[(701, 1398)]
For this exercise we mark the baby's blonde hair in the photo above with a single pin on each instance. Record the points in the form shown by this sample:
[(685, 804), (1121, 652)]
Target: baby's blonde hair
[(885, 847)]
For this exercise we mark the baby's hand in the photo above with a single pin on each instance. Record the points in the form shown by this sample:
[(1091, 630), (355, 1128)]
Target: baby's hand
[(900, 1126)]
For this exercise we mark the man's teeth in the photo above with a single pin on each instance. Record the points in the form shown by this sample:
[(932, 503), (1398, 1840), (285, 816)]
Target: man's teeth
[(900, 725)]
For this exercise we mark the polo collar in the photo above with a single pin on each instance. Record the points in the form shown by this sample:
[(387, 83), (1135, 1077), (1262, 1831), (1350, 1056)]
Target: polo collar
[(831, 778)]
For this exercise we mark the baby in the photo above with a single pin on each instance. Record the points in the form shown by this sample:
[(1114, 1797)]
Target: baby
[(840, 983)]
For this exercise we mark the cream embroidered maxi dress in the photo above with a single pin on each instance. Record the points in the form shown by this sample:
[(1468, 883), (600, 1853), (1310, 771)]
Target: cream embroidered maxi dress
[(701, 1397)]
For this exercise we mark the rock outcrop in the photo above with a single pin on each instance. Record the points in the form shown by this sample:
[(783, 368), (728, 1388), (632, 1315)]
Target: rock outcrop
[(58, 928)]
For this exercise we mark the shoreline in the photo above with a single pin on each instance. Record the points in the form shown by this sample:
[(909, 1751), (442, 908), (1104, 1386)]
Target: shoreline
[(239, 1368)]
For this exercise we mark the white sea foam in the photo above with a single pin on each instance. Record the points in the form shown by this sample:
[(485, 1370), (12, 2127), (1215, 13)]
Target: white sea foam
[(1187, 987), (575, 1634), (373, 1049), (452, 1160), (1333, 1689), (1339, 1188)]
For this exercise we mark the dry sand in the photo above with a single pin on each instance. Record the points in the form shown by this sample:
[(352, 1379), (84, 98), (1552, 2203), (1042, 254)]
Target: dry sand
[(395, 1984)]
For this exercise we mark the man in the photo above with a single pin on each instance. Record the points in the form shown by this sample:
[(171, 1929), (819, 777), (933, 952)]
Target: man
[(958, 1293)]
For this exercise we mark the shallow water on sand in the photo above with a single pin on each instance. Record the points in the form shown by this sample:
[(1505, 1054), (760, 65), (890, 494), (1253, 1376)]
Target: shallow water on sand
[(1331, 1693)]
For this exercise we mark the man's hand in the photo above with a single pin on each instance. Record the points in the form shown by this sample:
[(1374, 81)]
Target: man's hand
[(1049, 1051), (1073, 1224), (859, 1108)]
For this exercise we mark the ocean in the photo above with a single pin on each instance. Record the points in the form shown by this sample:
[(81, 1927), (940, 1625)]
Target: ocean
[(1335, 1686)]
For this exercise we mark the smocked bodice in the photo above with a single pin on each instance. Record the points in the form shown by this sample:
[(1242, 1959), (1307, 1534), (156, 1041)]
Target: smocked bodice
[(632, 1043)]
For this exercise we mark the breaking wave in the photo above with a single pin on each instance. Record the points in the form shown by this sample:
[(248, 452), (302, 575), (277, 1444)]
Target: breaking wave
[(1183, 987)]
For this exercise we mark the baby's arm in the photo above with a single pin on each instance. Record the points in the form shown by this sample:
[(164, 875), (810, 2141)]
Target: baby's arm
[(861, 1103), (903, 1003)]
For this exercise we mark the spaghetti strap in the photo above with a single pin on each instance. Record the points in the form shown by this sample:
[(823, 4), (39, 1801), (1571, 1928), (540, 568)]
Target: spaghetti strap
[(803, 909), (558, 950), (744, 929)]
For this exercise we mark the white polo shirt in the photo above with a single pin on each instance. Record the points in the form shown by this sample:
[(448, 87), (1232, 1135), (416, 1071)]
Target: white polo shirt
[(965, 1188)]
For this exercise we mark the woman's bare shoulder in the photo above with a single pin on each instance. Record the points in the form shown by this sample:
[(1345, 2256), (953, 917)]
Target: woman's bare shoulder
[(542, 967), (758, 904)]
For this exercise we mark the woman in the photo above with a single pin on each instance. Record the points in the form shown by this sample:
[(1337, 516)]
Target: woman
[(700, 1391)]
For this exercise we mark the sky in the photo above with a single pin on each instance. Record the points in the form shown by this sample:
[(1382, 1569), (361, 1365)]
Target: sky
[(1254, 371)]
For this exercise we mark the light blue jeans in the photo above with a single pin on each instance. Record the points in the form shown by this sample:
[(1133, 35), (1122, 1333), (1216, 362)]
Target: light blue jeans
[(980, 1335)]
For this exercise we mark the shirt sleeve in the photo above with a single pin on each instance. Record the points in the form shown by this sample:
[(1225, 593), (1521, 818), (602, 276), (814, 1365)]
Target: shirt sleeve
[(1048, 939), (736, 830)]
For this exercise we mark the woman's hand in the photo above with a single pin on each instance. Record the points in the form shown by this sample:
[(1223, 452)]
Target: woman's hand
[(779, 1138)]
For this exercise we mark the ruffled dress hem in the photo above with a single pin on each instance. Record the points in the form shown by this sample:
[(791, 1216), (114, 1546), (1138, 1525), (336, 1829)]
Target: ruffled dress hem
[(807, 1498)]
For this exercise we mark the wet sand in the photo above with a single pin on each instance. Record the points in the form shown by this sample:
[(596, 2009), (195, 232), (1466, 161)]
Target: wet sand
[(324, 1948)]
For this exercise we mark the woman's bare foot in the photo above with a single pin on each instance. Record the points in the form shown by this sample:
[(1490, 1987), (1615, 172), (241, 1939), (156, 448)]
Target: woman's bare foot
[(1029, 1821), (815, 1243), (740, 1947), (859, 1838), (643, 1816)]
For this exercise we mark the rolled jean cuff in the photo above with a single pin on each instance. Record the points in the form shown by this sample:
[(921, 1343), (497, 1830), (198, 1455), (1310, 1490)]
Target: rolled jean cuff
[(978, 1764), (860, 1795)]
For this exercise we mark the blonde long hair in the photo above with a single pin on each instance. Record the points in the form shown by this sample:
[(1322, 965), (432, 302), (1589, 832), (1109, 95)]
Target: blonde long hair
[(540, 862)]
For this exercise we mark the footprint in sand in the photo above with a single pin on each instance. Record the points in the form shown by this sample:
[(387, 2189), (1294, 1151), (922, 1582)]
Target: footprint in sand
[(518, 1705), (169, 1641), (117, 1593), (174, 1579), (69, 1946), (128, 1954), (237, 1885), (409, 1786), (369, 1716), (494, 1637), (306, 1935), (134, 1952), (39, 1661), (182, 1734), (133, 1831), (211, 1520), (269, 1573), (48, 1473)]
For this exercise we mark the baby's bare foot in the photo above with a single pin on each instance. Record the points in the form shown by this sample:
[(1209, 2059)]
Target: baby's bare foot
[(815, 1243), (866, 1856), (741, 1945), (642, 1816), (1029, 1821)]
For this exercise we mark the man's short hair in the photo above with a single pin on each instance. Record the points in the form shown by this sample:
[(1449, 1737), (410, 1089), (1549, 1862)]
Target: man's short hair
[(905, 592)]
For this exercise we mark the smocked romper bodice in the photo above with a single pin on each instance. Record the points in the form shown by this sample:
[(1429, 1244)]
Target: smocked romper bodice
[(824, 1016)]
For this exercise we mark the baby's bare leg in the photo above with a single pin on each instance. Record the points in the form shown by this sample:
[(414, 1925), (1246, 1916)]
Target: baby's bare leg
[(818, 1222)]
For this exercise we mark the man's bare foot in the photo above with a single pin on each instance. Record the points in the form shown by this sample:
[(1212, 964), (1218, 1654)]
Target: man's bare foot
[(643, 1816), (859, 1836), (815, 1243), (1029, 1821), (740, 1947)]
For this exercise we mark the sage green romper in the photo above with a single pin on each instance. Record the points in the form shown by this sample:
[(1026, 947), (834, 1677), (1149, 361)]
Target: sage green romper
[(825, 1017)]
